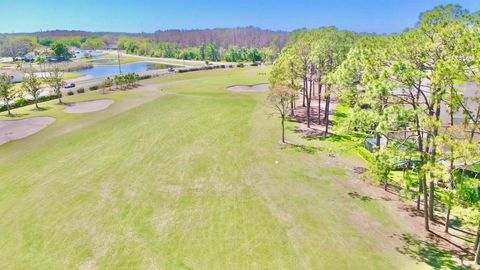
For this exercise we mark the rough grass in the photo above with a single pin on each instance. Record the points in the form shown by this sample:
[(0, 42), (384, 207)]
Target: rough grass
[(192, 179)]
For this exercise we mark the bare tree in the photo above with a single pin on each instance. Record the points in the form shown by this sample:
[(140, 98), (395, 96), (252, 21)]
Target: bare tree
[(279, 98)]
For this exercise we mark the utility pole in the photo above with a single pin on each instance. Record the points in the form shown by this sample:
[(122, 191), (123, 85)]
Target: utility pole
[(119, 65)]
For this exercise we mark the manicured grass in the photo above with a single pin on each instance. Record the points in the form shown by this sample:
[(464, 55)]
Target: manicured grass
[(187, 177), (71, 75), (123, 59)]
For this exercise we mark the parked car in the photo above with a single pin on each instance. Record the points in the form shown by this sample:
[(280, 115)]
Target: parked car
[(69, 85), (171, 70)]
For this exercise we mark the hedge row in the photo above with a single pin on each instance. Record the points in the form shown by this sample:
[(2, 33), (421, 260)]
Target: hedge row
[(183, 70), (20, 102)]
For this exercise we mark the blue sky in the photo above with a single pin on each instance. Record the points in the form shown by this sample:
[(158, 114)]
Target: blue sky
[(381, 16)]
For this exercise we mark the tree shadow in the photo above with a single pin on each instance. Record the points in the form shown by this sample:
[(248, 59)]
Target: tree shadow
[(431, 254), (305, 149), (41, 109), (16, 115), (363, 198)]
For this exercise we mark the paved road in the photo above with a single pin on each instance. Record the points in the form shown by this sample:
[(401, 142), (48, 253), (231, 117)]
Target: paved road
[(86, 83)]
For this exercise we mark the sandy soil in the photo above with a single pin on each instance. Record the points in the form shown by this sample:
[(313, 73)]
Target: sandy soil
[(249, 88), (17, 129), (88, 106)]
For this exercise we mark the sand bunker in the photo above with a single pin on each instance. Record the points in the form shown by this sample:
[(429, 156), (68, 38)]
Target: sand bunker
[(249, 88), (17, 129), (88, 106)]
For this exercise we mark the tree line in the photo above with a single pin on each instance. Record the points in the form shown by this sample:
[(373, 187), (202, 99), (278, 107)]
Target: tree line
[(204, 52), (405, 91), (20, 45), (31, 85)]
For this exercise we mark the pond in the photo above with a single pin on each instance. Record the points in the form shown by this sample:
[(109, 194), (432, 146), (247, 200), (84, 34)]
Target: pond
[(110, 71)]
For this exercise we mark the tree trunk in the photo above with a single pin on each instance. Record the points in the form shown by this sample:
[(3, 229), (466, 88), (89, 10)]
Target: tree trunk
[(447, 220), (327, 108), (431, 191), (308, 90), (477, 255), (8, 107), (319, 103), (36, 102), (425, 203), (292, 106), (283, 129), (385, 184), (420, 190), (304, 90), (477, 239)]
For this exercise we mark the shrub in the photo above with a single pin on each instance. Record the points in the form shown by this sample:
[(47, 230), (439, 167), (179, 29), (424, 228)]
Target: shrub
[(81, 90), (241, 65), (94, 87), (20, 102), (70, 93)]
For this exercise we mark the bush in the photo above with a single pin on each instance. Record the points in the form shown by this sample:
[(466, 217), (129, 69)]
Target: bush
[(20, 102), (70, 93), (81, 90), (93, 88), (241, 65)]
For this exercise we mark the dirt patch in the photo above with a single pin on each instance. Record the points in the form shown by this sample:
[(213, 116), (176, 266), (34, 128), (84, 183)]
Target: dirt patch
[(17, 129), (263, 87), (88, 106)]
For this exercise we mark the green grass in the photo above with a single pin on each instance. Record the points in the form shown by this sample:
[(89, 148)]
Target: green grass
[(123, 59), (71, 75), (187, 177)]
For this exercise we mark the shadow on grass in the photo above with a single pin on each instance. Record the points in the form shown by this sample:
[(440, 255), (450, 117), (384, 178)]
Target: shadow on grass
[(16, 115), (41, 109), (363, 198), (305, 149), (431, 254)]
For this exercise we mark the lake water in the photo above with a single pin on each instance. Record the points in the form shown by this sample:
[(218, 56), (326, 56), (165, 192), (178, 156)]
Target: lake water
[(110, 71)]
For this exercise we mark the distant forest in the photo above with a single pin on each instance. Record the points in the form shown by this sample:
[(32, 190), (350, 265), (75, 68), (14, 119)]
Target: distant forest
[(246, 37), (229, 44)]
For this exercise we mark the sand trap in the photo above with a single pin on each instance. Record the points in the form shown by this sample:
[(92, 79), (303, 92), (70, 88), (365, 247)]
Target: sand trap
[(249, 88), (88, 106), (17, 129)]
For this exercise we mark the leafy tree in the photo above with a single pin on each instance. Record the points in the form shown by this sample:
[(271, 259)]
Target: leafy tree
[(60, 50), (17, 46), (107, 84), (7, 91), (31, 85), (55, 81), (94, 43)]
